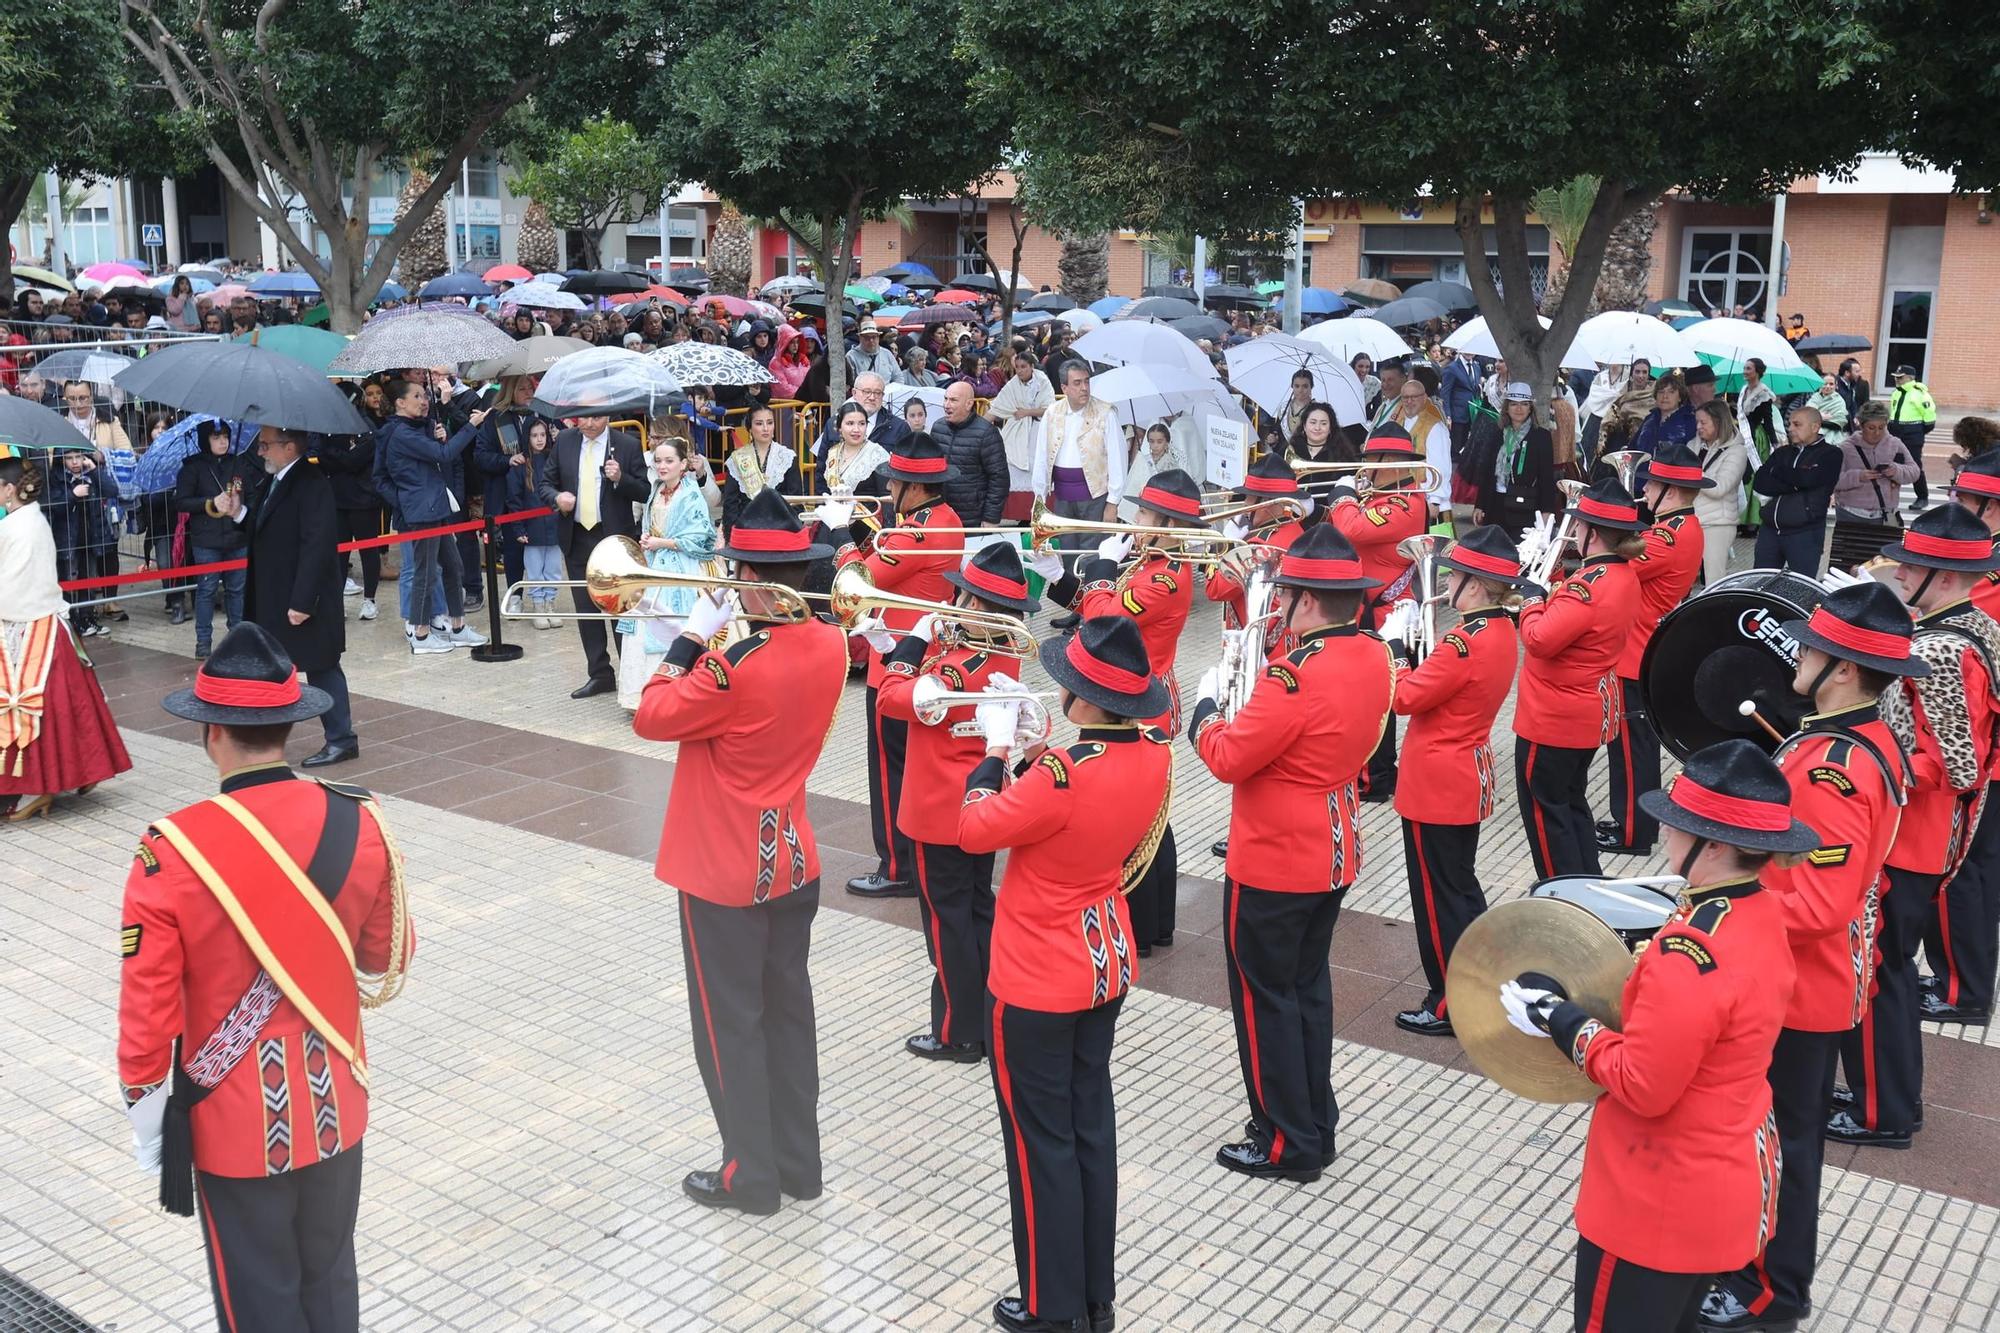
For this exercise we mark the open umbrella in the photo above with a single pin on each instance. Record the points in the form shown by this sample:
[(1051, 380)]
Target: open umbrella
[(1148, 393), (1371, 291), (937, 314), (1725, 344), (1349, 338), (931, 398), (420, 335), (42, 277), (227, 293), (879, 285), (1177, 293), (507, 273), (789, 284), (710, 363), (1262, 369), (973, 282), (531, 356), (606, 381), (688, 277), (1450, 295), (1124, 342), (1315, 301), (478, 267), (1109, 307), (468, 285), (541, 296), (107, 270), (392, 291), (958, 296), (925, 281), (199, 284), (906, 270), (82, 363), (1159, 307), (1620, 337), (160, 462), (1475, 338), (1027, 319), (605, 282), (1200, 326), (1672, 308), (1054, 301), (315, 348), (1080, 320), (291, 282), (27, 425), (865, 295), (890, 313), (814, 303), (1406, 313), (1829, 343), (1229, 293), (239, 382)]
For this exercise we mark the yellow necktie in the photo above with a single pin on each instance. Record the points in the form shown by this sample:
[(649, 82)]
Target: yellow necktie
[(589, 489)]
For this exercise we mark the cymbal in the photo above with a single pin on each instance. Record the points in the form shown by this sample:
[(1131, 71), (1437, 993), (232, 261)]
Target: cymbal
[(1544, 935)]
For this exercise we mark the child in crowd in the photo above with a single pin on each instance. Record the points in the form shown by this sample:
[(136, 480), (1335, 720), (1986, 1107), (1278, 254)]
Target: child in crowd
[(542, 559)]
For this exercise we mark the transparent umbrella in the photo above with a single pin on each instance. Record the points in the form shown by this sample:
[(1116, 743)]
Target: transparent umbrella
[(606, 381)]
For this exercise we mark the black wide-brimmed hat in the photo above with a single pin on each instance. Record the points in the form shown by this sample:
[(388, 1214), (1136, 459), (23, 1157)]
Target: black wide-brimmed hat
[(1269, 478), (1675, 465), (1172, 493), (1702, 374), (1486, 552), (1862, 623), (1606, 504), (1323, 559), (1980, 477), (1732, 792), (1391, 438), (994, 575), (248, 681), (920, 459), (1946, 536), (768, 532), (1105, 663)]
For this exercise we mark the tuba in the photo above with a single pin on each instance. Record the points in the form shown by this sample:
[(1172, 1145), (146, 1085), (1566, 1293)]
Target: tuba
[(1624, 464), (1422, 552), (1243, 649)]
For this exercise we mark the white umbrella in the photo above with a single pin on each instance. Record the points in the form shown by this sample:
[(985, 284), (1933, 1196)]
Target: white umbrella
[(1262, 369), (789, 283), (1475, 338), (541, 296), (1735, 341), (422, 335), (1127, 342), (1144, 394), (1349, 338), (605, 381), (1080, 320), (931, 398), (1620, 337)]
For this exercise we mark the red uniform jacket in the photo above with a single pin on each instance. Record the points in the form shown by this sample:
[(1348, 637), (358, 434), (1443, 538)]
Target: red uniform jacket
[(1569, 679), (1158, 594), (1831, 898), (1986, 592), (1293, 754), (750, 721), (1062, 935), (1451, 700), (1938, 822), (1680, 1171), (1665, 572), (1225, 587), (1374, 526), (902, 560), (290, 1100), (937, 763)]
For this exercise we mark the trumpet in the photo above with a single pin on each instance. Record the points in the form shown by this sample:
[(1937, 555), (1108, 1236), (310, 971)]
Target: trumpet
[(1429, 479), (854, 595), (617, 578), (1035, 720), (866, 506), (1045, 529)]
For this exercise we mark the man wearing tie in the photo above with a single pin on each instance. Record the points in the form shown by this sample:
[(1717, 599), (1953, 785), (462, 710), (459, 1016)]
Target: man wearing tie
[(598, 476)]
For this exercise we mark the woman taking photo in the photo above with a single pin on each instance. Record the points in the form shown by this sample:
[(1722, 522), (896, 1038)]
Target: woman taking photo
[(678, 538), (56, 732), (759, 462), (1515, 462), (1720, 448)]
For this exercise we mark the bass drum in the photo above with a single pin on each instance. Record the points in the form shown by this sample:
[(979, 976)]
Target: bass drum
[(1721, 646), (1635, 909)]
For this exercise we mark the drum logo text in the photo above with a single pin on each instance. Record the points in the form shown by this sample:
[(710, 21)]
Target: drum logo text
[(1760, 626)]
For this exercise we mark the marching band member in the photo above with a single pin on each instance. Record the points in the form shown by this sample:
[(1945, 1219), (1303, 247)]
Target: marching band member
[(1946, 721), (1293, 755), (897, 561), (1680, 1167), (738, 849), (1569, 700), (1451, 699), (954, 887), (1063, 960), (1269, 479), (1666, 569), (1396, 507), (247, 917), (1848, 777), (1157, 591), (1962, 939)]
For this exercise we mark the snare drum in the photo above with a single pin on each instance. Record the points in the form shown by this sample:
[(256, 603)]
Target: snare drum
[(1634, 909), (1720, 647)]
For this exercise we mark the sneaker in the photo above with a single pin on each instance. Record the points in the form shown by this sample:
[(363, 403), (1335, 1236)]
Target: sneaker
[(352, 589), (474, 602), (409, 630), (543, 622), (467, 635), (432, 643), (368, 608), (441, 624)]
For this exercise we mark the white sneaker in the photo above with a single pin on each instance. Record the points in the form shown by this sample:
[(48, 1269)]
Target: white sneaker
[(468, 636), (432, 643), (352, 589), (513, 607), (367, 608), (441, 623), (409, 630), (543, 622)]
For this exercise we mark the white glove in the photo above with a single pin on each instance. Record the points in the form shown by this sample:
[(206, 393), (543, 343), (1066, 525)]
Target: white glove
[(1401, 622), (1002, 683), (708, 615), (148, 1115), (1114, 549), (999, 721), (1839, 578), (875, 634), (1523, 1004), (1046, 563), (925, 628), (1211, 684), (834, 515), (1235, 529), (1310, 501)]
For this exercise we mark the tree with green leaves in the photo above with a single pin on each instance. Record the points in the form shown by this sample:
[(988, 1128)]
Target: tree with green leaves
[(600, 173), (820, 114), (299, 104)]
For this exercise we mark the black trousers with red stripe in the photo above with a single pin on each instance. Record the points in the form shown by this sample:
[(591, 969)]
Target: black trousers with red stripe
[(1445, 897), (1615, 1295), (888, 741), (955, 898), (1634, 754), (1802, 1066), (1156, 898), (1883, 1057), (751, 1002), (1379, 777), (1281, 996), (1551, 782), (1052, 1080), (1962, 938), (281, 1248)]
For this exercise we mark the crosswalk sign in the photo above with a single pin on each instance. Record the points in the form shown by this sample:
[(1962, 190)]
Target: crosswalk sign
[(152, 233)]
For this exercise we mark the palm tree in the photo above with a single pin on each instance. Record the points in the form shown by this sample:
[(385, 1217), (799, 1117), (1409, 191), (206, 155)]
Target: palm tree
[(1083, 269)]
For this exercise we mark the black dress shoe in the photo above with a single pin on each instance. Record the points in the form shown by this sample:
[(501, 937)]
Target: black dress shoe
[(873, 885), (1219, 848), (1103, 1318), (331, 754), (1932, 1007), (1424, 1023), (706, 1189), (592, 687), (1011, 1313), (803, 1193), (1378, 795), (1610, 841), (1843, 1100), (177, 615), (1254, 1159), (1721, 1309), (957, 1052), (1068, 620), (1165, 941), (1844, 1128)]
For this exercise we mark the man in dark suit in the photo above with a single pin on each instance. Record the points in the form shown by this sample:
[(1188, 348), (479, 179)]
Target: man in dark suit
[(598, 476), (885, 427), (293, 586)]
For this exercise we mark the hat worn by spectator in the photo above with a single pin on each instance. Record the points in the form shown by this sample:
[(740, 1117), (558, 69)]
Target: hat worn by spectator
[(1675, 465), (867, 329), (1863, 623), (1702, 374), (919, 458), (1172, 494), (1606, 504), (1323, 560), (1486, 552), (248, 681), (1732, 793), (1946, 537), (1104, 663), (1268, 478), (768, 532), (1905, 372), (994, 575), (1518, 391)]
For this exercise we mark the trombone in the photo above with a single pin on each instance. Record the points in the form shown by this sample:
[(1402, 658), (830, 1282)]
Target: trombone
[(617, 578), (1292, 507), (854, 595), (1045, 529), (1431, 478), (866, 506)]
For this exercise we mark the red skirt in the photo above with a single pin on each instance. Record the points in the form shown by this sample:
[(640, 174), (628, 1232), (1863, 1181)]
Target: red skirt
[(79, 743)]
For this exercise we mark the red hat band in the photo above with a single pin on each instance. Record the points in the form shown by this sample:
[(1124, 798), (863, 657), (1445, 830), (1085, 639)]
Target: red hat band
[(1874, 642), (774, 540), (227, 693), (1303, 567), (1762, 816), (1170, 502), (1591, 508), (1977, 483), (921, 466), (1674, 472), (1099, 672), (1947, 548), (1259, 485), (987, 581), (1485, 564)]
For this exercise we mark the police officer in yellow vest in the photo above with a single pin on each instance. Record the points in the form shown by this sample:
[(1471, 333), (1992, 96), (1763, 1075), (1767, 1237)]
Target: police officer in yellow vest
[(1912, 413)]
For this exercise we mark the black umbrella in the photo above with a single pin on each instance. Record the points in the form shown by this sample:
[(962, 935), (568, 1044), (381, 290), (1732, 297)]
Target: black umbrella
[(468, 285), (1177, 293), (603, 282), (814, 303), (1161, 308), (478, 267), (689, 275), (931, 284), (1408, 311), (1198, 327), (972, 282), (1832, 342), (1054, 302), (1450, 295), (31, 426), (1229, 293), (242, 382)]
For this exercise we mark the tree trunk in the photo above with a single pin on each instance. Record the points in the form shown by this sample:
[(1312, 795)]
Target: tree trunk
[(593, 249), (1083, 269), (13, 198), (347, 291)]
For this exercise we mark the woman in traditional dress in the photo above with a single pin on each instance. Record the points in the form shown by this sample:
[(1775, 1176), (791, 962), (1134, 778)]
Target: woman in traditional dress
[(759, 462), (56, 732), (678, 537)]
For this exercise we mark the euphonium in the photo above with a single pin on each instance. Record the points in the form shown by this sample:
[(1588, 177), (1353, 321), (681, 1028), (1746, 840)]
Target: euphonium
[(1624, 463), (1422, 551)]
